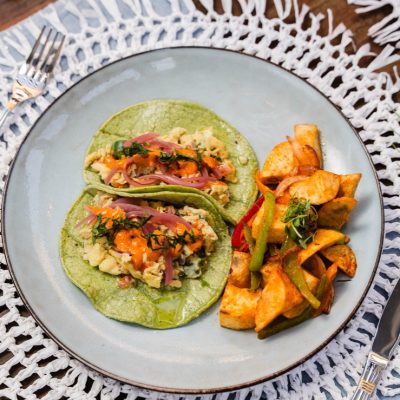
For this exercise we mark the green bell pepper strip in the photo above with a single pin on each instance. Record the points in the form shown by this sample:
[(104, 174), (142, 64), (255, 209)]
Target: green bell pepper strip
[(283, 323), (248, 237), (293, 269), (268, 210), (255, 280)]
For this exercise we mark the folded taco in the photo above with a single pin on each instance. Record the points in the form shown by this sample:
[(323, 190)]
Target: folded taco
[(174, 145), (158, 260)]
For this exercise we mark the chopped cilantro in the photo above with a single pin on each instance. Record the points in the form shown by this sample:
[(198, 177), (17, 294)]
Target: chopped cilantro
[(99, 229), (219, 159), (119, 150), (161, 241), (167, 158)]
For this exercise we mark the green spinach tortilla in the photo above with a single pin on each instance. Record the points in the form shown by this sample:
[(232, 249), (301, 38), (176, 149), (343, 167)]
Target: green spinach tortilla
[(161, 116), (141, 304)]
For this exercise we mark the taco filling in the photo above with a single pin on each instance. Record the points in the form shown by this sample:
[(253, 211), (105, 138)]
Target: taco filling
[(196, 160), (155, 242)]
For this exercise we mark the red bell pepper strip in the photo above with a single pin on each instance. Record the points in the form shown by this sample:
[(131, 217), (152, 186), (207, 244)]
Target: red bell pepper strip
[(237, 236)]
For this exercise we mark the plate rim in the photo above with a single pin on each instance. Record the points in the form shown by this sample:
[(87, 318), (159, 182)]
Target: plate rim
[(177, 390)]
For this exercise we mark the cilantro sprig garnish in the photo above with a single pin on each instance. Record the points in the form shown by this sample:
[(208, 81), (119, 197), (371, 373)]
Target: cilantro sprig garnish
[(219, 159), (163, 241), (167, 158), (100, 229), (119, 150), (301, 221)]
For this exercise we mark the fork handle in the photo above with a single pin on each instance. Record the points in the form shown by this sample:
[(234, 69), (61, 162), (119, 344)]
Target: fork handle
[(370, 377), (3, 116)]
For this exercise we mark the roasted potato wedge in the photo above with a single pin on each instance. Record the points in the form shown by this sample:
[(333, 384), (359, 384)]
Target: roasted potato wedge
[(296, 310), (319, 188), (312, 283), (279, 163), (344, 257), (335, 213), (308, 134), (348, 185), (278, 296), (311, 280), (309, 157), (305, 154), (315, 265), (238, 307), (323, 238), (266, 269), (327, 302), (239, 275), (276, 232)]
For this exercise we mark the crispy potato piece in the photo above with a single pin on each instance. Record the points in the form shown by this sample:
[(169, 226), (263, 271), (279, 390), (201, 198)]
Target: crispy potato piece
[(276, 233), (279, 163), (327, 301), (266, 269), (238, 307), (335, 213), (311, 280), (239, 275), (296, 310), (323, 238), (309, 156), (305, 154), (308, 134), (278, 296), (315, 265), (348, 185), (319, 188), (272, 264), (344, 257), (312, 283)]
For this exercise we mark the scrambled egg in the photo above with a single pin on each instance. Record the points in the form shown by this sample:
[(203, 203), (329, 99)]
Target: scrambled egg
[(97, 155), (219, 190), (198, 218), (103, 199), (203, 141), (100, 254)]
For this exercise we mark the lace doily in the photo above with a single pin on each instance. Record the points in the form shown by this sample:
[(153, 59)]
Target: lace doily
[(387, 30), (103, 31)]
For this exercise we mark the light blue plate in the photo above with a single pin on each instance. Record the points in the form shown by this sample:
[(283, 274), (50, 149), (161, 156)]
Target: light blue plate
[(263, 102)]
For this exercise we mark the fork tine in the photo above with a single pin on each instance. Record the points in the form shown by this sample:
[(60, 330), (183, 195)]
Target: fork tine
[(35, 46), (49, 68), (36, 60), (49, 51)]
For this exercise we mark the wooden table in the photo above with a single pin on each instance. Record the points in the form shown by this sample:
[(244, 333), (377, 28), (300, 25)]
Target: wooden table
[(13, 11)]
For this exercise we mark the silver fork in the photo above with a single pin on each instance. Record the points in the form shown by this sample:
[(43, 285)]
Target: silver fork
[(34, 73)]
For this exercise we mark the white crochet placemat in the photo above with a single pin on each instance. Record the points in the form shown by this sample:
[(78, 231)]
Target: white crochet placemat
[(103, 31)]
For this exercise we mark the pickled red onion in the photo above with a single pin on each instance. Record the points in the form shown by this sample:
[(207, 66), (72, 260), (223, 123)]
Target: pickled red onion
[(145, 180), (87, 220), (110, 175), (169, 269), (133, 210), (141, 138), (153, 138)]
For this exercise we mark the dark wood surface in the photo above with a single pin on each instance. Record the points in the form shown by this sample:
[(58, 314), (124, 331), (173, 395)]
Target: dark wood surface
[(13, 11)]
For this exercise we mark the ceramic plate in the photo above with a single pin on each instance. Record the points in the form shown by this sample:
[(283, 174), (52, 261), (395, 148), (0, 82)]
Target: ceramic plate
[(263, 102)]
